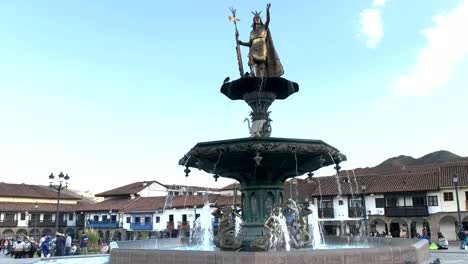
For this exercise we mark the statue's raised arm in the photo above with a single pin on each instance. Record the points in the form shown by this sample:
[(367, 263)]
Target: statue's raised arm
[(267, 22)]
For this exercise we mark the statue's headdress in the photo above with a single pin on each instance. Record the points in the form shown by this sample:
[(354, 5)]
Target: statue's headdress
[(256, 13)]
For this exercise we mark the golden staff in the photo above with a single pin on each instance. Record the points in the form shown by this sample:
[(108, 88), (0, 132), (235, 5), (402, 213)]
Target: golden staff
[(234, 19)]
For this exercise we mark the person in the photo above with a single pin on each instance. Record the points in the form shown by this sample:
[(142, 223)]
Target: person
[(263, 59), (461, 237), (68, 245), (425, 236), (443, 242), (84, 244), (18, 249), (104, 248), (59, 244), (45, 247)]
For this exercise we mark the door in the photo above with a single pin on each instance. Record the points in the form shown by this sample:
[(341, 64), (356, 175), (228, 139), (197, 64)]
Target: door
[(395, 229)]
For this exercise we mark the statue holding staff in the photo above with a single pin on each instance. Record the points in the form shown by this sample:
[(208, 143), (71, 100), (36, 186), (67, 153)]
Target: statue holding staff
[(263, 59)]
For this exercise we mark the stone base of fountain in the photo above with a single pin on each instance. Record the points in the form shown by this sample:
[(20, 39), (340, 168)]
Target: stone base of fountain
[(390, 251)]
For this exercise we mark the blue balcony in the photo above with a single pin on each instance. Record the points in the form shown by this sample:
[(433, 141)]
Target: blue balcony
[(102, 224), (141, 226)]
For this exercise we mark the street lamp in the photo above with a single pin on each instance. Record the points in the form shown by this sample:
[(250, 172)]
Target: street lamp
[(363, 188), (58, 188), (35, 220), (455, 182)]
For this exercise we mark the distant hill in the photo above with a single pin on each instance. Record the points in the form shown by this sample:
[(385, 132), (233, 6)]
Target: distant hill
[(440, 156)]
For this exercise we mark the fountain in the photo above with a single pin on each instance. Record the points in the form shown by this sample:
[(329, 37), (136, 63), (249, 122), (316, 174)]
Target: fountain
[(261, 164)]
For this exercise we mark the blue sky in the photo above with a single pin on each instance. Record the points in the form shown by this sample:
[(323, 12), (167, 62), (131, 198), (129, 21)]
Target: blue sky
[(118, 91)]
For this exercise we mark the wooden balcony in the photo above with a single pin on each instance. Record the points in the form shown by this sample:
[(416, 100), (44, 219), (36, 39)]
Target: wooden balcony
[(46, 223), (406, 211), (183, 225), (326, 213), (170, 225), (8, 223), (355, 212)]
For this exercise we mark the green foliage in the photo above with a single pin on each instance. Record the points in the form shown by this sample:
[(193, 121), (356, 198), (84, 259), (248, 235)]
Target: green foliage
[(93, 238)]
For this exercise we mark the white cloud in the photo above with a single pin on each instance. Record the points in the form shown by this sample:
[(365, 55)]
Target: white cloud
[(447, 44), (371, 26), (379, 2)]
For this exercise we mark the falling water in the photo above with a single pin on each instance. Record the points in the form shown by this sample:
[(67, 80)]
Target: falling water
[(238, 222), (316, 231), (280, 238), (203, 229), (336, 176)]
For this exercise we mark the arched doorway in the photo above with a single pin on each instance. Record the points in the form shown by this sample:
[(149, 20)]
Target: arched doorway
[(8, 233), (399, 228), (71, 232), (46, 231), (378, 227), (448, 227), (418, 225), (100, 234), (465, 221), (35, 234), (117, 236), (21, 232)]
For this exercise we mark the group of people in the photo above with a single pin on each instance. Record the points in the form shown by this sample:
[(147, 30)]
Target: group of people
[(463, 237), (21, 247), (60, 245)]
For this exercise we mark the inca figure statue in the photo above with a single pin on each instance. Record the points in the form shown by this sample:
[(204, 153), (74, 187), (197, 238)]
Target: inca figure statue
[(263, 59)]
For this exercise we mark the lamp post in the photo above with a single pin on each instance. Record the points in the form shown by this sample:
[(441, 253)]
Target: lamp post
[(36, 205), (364, 187), (58, 188), (455, 182)]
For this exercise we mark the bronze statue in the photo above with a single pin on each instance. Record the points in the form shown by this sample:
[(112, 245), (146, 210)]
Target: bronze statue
[(263, 59)]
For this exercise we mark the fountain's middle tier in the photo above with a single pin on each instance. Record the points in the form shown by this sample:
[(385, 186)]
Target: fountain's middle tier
[(261, 165), (275, 159)]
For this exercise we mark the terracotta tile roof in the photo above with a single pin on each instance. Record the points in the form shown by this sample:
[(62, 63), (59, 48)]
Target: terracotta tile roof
[(191, 188), (151, 204), (448, 171), (145, 204), (34, 191), (299, 189), (408, 182), (109, 204), (127, 190), (43, 207), (230, 186)]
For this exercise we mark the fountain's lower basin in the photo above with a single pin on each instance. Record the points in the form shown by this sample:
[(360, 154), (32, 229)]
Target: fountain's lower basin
[(383, 250)]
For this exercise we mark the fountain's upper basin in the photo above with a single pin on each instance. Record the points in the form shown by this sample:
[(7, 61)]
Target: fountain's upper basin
[(280, 157), (278, 86)]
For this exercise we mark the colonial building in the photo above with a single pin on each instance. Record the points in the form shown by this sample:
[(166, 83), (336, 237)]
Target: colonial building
[(31, 210), (398, 201)]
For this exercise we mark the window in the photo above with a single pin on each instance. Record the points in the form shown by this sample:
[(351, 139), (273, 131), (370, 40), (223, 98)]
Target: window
[(419, 201), (326, 204), (70, 217), (340, 202), (96, 218), (176, 193), (113, 218), (379, 202), (137, 219), (392, 202), (355, 203), (171, 218), (158, 219), (147, 219), (104, 218), (23, 216), (128, 219), (448, 196), (432, 201), (184, 218)]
